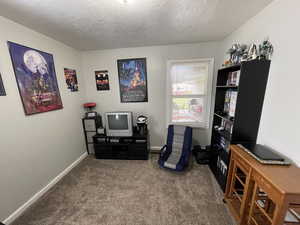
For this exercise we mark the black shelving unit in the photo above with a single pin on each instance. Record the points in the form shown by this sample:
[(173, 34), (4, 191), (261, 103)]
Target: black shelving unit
[(245, 122), (90, 126)]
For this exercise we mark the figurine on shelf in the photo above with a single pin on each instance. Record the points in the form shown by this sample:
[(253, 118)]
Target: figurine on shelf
[(244, 57), (266, 49), (241, 52), (252, 52), (237, 54), (226, 63), (232, 51)]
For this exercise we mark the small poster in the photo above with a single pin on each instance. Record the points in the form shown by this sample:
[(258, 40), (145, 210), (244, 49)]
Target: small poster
[(2, 90), (71, 79), (133, 80), (36, 79), (102, 81)]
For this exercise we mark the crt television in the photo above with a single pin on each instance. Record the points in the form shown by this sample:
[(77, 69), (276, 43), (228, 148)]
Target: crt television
[(118, 124)]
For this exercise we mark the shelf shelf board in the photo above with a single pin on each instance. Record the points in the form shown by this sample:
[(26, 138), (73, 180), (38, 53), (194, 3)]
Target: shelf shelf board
[(231, 67), (226, 117), (227, 86)]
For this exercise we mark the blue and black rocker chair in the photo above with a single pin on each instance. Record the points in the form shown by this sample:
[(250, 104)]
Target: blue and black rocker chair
[(175, 154)]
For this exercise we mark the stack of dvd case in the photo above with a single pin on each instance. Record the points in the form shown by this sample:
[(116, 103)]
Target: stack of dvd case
[(230, 102)]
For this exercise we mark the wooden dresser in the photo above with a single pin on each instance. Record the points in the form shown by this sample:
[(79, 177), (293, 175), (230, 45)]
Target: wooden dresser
[(259, 194)]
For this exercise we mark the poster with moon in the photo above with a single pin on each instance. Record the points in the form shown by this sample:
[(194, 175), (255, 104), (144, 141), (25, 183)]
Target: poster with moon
[(36, 79)]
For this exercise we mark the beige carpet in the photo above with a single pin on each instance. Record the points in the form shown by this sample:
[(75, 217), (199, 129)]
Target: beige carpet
[(117, 192)]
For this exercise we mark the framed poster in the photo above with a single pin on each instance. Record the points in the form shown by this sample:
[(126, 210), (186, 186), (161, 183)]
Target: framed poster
[(2, 90), (71, 79), (133, 80), (36, 79), (102, 82)]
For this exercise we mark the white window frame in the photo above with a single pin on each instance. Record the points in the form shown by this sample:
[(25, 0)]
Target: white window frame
[(207, 102)]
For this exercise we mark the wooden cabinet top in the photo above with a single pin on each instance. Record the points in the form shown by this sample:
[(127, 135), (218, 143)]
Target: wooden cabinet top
[(285, 179)]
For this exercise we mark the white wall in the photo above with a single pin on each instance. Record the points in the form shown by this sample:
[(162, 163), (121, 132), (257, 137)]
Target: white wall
[(35, 149), (280, 118), (157, 57)]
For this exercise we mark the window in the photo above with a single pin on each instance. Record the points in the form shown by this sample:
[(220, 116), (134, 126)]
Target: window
[(189, 85)]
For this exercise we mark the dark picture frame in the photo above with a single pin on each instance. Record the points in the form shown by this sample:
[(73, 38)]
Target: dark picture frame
[(133, 80), (2, 89), (102, 80), (36, 79)]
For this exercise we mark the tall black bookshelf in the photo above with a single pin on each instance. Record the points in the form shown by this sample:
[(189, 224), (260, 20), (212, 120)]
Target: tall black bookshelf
[(243, 123)]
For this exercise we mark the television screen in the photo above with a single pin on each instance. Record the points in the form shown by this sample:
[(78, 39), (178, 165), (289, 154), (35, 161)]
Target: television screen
[(117, 122)]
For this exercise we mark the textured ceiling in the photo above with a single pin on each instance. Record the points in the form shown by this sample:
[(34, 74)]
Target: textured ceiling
[(103, 24)]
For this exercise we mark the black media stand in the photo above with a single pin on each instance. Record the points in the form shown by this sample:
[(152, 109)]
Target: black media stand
[(135, 147)]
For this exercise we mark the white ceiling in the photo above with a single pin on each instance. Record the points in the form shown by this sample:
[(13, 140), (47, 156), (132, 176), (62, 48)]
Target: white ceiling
[(104, 24)]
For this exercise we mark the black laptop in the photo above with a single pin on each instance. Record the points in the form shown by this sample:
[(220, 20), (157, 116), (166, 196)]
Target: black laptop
[(265, 153)]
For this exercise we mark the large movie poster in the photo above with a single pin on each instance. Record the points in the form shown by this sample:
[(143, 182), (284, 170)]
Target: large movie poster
[(36, 79), (133, 80)]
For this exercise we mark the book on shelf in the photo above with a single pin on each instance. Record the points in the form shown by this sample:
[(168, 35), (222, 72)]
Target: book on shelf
[(233, 78), (227, 125), (222, 142), (227, 102), (230, 102), (222, 166), (232, 105)]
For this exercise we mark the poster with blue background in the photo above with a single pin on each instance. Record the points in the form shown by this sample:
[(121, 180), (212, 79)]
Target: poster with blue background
[(133, 80), (36, 79)]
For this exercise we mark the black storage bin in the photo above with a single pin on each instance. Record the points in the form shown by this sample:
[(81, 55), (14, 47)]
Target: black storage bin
[(202, 155)]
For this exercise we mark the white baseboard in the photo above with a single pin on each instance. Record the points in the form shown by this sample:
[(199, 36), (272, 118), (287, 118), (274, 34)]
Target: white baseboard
[(39, 194), (155, 149)]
